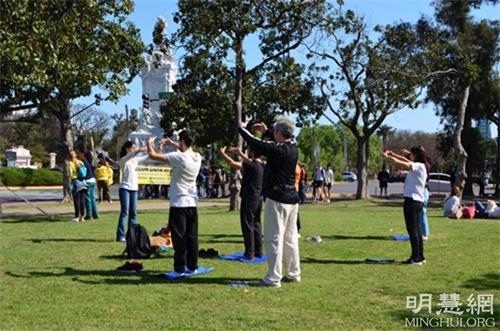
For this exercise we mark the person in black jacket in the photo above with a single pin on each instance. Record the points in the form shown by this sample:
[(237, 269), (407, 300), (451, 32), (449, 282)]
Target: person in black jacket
[(252, 168), (281, 199)]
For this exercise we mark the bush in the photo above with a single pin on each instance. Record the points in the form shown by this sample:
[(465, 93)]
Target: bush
[(30, 177)]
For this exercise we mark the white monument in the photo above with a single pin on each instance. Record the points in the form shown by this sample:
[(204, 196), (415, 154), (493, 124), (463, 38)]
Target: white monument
[(158, 75)]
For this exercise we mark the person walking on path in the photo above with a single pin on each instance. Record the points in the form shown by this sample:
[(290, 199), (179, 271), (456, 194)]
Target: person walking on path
[(281, 199), (328, 182), (319, 179), (183, 214), (252, 169)]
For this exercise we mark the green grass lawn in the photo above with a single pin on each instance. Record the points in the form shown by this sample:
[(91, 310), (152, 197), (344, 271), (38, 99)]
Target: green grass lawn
[(61, 276)]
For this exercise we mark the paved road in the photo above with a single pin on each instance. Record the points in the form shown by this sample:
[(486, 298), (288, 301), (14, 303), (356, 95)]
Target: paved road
[(56, 194)]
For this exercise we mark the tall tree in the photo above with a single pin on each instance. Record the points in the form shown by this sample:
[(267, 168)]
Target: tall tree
[(120, 131), (330, 141), (53, 51), (92, 124), (222, 31), (472, 49), (365, 80)]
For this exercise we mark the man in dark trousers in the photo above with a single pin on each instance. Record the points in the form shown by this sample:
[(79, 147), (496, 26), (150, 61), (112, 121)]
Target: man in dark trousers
[(251, 200), (383, 180), (183, 214), (281, 199)]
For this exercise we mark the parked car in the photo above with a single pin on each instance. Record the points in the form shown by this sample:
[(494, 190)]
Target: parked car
[(439, 182), (398, 177), (349, 176)]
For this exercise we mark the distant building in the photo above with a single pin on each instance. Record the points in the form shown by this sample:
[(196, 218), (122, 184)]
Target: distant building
[(18, 157), (483, 125)]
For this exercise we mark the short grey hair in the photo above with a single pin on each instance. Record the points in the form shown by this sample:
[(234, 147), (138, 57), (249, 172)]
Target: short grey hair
[(285, 125)]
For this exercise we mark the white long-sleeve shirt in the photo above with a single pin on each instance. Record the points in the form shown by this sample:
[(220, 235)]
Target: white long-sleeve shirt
[(128, 165)]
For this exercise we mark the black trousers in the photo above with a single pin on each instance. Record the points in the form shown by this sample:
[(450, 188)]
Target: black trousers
[(250, 211), (183, 224), (103, 187), (299, 226), (412, 210), (79, 203)]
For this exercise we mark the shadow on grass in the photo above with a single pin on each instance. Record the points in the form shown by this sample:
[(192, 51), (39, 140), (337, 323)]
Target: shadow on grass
[(310, 260), (39, 241), (490, 281), (33, 219), (116, 278), (220, 238), (341, 237)]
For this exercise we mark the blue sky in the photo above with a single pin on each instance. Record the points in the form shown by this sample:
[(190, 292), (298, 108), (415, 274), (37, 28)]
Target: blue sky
[(375, 12)]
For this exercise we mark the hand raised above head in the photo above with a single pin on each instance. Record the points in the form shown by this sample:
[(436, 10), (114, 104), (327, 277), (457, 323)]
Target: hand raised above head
[(243, 125), (259, 127), (222, 150), (166, 141)]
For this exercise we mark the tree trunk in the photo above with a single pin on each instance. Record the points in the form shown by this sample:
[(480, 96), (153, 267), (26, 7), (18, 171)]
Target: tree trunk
[(468, 146), (497, 175), (67, 141), (235, 176), (362, 167), (461, 173)]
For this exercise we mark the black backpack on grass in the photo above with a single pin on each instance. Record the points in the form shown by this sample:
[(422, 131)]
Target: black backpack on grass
[(138, 245)]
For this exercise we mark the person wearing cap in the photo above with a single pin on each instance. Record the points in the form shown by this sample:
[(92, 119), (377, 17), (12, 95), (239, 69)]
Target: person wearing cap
[(281, 199)]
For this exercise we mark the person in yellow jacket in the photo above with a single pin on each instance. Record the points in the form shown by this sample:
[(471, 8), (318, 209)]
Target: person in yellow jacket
[(78, 187), (104, 177)]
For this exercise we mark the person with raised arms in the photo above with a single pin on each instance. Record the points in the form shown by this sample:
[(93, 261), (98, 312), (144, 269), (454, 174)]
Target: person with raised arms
[(251, 198), (281, 199), (183, 213), (417, 164)]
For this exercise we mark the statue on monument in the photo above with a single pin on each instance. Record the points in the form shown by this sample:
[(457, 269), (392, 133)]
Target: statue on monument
[(158, 75)]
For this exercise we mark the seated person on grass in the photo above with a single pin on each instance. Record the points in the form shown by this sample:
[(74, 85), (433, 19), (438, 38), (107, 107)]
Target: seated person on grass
[(452, 202), (490, 211)]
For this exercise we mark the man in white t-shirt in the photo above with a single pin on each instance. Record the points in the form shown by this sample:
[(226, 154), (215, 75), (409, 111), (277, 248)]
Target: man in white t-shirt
[(183, 215), (328, 182)]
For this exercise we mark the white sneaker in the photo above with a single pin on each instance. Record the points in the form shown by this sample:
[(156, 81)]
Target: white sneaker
[(425, 238), (76, 219)]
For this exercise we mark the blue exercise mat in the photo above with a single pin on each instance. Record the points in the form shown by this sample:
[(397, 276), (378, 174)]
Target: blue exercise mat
[(379, 260), (400, 237), (200, 271), (240, 257)]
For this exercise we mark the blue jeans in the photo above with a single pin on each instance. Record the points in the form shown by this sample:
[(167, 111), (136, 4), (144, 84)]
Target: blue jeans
[(302, 192), (424, 223), (480, 210), (128, 207), (90, 202)]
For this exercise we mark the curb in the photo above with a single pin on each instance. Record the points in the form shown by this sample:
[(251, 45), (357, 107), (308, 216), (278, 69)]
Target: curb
[(34, 188)]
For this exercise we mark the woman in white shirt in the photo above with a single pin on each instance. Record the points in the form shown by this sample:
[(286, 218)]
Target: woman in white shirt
[(416, 162), (128, 186), (452, 201)]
